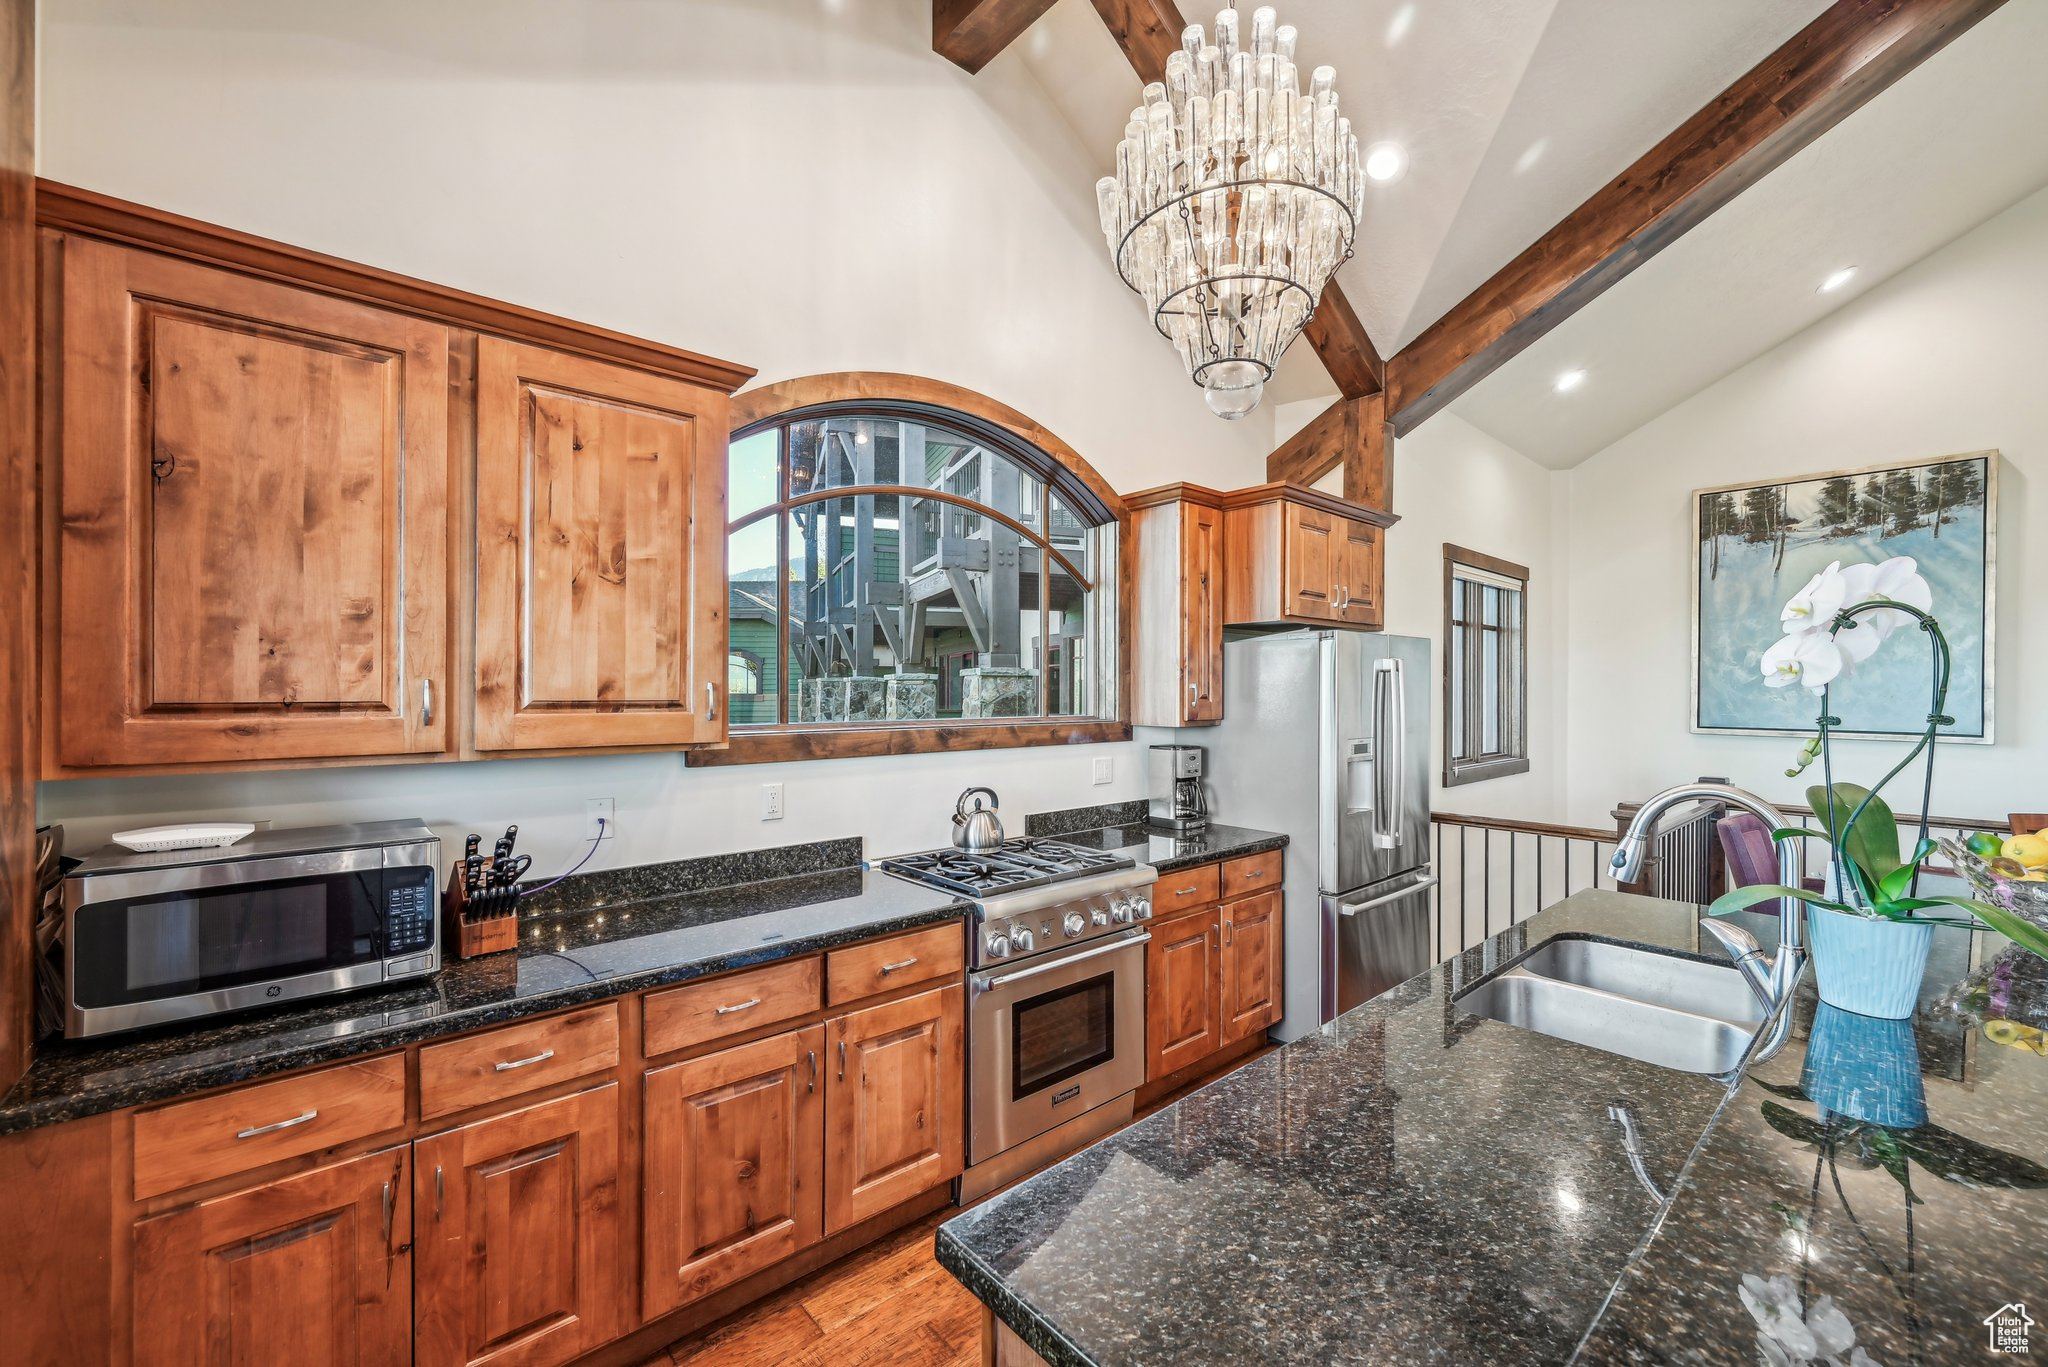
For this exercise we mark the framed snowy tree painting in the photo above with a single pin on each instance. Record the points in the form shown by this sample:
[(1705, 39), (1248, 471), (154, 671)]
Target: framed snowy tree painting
[(1756, 545)]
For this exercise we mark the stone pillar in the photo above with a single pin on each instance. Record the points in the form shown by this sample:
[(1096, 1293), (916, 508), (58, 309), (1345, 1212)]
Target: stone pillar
[(913, 697), (993, 692)]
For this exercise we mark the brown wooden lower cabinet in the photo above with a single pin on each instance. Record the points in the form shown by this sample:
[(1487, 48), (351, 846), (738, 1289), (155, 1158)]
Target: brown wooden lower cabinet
[(894, 1108), (517, 1235), (314, 1269), (734, 1159), (1249, 971), (1212, 975), (1182, 1008)]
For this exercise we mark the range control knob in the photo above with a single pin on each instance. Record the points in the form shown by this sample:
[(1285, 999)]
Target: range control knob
[(1141, 908), (1099, 916), (998, 945), (1020, 940), (1121, 912), (1075, 924)]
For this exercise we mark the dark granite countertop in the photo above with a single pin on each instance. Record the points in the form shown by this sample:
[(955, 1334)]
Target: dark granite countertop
[(633, 929), (1416, 1184), (1167, 852)]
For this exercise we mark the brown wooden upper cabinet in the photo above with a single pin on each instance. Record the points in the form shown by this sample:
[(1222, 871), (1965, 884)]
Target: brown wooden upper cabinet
[(1301, 556), (600, 554), (1179, 607), (251, 485)]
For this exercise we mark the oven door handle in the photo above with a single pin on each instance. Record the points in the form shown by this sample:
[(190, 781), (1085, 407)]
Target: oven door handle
[(1002, 979)]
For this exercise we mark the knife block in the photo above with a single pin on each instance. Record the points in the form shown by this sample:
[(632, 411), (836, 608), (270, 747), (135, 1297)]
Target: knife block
[(467, 939)]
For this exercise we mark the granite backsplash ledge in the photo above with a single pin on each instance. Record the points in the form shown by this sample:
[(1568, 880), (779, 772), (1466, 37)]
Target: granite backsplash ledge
[(1068, 820), (647, 882)]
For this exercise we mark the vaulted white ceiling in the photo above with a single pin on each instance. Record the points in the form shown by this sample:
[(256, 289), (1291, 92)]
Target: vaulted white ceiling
[(1512, 112)]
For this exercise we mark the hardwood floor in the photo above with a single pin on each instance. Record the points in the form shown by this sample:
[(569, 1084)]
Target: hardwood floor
[(887, 1304)]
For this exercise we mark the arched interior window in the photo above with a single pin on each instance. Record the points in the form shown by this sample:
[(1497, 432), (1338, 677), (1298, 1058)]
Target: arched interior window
[(907, 563)]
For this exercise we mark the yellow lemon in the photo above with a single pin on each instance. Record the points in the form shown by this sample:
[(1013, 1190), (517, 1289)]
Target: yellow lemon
[(2031, 850)]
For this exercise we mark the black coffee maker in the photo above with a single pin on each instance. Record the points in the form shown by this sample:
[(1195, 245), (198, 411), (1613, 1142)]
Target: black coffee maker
[(1178, 802)]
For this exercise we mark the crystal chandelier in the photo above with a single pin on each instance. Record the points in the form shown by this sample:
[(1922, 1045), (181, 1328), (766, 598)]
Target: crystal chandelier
[(1234, 200)]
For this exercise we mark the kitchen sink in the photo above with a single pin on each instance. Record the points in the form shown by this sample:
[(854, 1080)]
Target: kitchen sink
[(1631, 1000)]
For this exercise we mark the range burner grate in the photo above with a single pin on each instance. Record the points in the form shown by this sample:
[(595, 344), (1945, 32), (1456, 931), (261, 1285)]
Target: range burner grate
[(1015, 864)]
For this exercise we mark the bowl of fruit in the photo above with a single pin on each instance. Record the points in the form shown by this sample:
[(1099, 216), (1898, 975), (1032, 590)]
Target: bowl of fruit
[(2009, 871)]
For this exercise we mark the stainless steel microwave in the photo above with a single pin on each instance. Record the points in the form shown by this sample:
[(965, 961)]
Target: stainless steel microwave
[(279, 915)]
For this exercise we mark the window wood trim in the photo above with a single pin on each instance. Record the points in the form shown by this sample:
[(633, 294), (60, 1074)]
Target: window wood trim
[(1457, 772), (883, 393)]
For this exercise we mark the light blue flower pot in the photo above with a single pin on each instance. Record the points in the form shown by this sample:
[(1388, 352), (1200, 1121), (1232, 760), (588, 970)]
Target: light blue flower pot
[(1864, 1068), (1868, 964)]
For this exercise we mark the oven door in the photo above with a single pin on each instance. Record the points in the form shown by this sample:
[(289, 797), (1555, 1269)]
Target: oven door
[(1053, 1039)]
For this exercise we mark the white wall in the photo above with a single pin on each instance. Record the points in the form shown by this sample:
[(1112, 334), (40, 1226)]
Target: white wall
[(798, 185), (1945, 357)]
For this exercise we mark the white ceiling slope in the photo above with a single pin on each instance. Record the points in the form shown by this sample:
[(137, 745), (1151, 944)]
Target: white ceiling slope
[(1513, 112), (1952, 144)]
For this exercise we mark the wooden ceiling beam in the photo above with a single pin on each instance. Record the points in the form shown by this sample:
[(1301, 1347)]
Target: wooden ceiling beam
[(1352, 433), (1826, 72), (1147, 30), (969, 33)]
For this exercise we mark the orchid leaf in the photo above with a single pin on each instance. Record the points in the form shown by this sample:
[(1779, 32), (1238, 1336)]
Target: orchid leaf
[(1884, 1147), (1956, 1158), (1736, 899), (1872, 843), (2012, 926), (1795, 1126), (1800, 833)]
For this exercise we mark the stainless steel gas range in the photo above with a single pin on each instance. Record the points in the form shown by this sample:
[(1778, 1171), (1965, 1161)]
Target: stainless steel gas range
[(1056, 997)]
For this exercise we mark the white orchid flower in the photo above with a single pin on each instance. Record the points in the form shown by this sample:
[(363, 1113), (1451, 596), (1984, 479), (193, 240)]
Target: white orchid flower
[(1807, 657), (1826, 594), (1831, 1330), (1774, 1305)]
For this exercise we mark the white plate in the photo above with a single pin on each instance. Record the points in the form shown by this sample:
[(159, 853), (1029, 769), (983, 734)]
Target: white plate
[(207, 835)]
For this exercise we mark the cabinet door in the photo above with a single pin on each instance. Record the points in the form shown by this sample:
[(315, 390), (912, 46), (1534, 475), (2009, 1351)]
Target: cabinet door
[(314, 1269), (894, 1104), (1311, 560), (1182, 1005), (1201, 646), (735, 1151), (518, 1256), (600, 616), (1251, 966), (1361, 568), (252, 483)]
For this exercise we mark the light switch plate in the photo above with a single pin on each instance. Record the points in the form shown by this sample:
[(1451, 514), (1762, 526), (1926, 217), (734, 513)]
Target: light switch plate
[(1105, 770)]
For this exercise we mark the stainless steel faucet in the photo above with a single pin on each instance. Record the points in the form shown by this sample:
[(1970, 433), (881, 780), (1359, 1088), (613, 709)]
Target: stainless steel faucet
[(1771, 979)]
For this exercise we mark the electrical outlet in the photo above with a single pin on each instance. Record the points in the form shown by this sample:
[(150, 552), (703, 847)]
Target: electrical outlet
[(771, 802), (1105, 770), (595, 810)]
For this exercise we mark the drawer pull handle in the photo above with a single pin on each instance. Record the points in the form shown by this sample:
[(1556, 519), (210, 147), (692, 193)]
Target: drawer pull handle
[(812, 1055), (898, 966), (739, 1006), (509, 1064), (842, 1060), (1255, 873), (274, 1128), (1187, 891)]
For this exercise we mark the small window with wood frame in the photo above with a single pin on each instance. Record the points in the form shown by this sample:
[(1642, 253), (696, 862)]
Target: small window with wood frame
[(1486, 667), (922, 575)]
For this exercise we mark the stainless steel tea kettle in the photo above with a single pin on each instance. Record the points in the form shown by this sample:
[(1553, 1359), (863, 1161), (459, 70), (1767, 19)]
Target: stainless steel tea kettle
[(979, 828)]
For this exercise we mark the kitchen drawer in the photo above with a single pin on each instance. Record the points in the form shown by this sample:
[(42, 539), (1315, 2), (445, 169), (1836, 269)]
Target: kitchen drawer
[(1253, 873), (899, 961), (1186, 888), (517, 1058), (679, 1017), (196, 1141)]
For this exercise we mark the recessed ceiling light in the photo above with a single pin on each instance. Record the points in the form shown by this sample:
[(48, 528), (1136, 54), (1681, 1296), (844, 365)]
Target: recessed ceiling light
[(1398, 26), (1837, 280), (1531, 154), (1385, 161), (1569, 381)]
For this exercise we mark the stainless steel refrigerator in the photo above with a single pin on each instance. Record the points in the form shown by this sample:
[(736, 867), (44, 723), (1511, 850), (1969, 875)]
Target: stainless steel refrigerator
[(1326, 736)]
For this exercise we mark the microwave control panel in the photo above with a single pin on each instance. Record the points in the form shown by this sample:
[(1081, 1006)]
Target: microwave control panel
[(409, 917)]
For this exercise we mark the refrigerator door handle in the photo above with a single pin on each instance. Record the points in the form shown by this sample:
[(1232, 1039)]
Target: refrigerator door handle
[(1390, 724), (1423, 884)]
